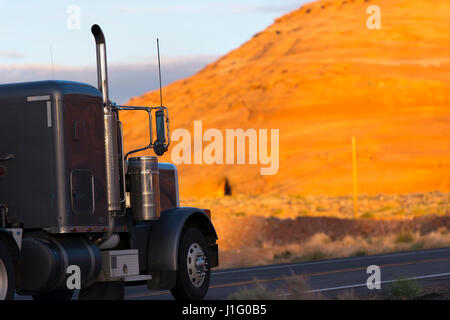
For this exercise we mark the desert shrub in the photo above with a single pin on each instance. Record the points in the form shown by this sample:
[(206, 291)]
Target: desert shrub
[(347, 295), (404, 237), (366, 215), (360, 253), (404, 289), (277, 212), (258, 292), (417, 246), (297, 288), (294, 287), (286, 254), (315, 255)]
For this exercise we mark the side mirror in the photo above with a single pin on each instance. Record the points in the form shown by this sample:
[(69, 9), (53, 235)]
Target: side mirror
[(158, 146)]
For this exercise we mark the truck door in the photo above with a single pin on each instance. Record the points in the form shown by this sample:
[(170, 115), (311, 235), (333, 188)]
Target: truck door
[(25, 152)]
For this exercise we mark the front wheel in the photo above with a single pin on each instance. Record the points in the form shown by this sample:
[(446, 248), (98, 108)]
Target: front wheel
[(7, 274), (193, 274)]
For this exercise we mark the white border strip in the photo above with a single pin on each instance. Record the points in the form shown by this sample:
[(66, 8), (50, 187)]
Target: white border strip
[(49, 114), (38, 98)]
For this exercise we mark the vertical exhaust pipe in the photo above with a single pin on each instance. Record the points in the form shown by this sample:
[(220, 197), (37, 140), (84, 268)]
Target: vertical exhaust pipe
[(102, 72), (111, 132)]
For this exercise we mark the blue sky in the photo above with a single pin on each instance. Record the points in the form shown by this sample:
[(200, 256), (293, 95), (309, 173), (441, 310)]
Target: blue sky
[(192, 34)]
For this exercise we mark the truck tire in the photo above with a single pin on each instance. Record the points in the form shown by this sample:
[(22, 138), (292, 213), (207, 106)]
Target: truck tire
[(7, 274), (193, 273)]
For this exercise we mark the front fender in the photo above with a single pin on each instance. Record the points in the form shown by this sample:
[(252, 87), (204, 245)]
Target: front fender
[(166, 233), (6, 236)]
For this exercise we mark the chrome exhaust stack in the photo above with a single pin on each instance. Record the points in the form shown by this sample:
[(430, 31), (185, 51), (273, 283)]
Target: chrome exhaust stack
[(102, 72), (111, 132)]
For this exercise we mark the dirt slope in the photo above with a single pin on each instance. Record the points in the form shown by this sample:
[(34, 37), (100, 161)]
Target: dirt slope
[(321, 76)]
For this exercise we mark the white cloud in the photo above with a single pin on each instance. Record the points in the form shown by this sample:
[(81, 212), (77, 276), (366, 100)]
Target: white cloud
[(230, 7), (11, 55), (151, 10), (277, 8)]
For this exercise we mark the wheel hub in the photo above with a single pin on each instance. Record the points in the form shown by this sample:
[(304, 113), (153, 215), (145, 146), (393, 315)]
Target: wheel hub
[(196, 264)]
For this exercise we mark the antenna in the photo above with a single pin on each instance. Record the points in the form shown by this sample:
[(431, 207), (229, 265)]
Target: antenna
[(51, 59), (159, 68)]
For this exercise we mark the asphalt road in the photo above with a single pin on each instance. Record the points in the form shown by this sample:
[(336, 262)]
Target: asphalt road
[(326, 276)]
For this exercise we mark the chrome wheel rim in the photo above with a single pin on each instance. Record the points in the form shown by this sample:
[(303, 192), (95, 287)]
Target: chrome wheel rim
[(3, 280), (196, 265)]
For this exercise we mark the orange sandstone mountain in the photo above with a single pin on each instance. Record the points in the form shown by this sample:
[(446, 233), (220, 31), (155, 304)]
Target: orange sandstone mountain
[(320, 76)]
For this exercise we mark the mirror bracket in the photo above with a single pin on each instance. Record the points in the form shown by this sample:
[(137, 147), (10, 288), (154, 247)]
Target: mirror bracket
[(159, 146)]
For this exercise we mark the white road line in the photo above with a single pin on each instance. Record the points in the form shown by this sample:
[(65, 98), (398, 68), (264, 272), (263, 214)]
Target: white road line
[(381, 282), (299, 264)]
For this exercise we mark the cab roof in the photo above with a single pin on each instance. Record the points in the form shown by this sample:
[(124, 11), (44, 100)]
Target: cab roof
[(55, 88)]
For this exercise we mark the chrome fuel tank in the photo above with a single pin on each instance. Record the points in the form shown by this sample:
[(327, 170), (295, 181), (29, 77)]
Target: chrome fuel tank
[(143, 177)]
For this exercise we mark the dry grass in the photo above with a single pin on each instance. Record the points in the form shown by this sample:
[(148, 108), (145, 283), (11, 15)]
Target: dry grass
[(294, 287), (321, 247), (258, 292), (382, 206), (297, 288), (348, 295)]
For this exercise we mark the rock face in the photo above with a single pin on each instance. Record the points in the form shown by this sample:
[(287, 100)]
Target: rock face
[(321, 76)]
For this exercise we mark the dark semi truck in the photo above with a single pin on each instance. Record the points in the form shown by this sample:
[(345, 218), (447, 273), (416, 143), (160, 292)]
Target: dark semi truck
[(72, 204)]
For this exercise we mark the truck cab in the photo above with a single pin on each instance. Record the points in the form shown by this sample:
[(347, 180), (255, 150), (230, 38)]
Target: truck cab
[(71, 199)]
